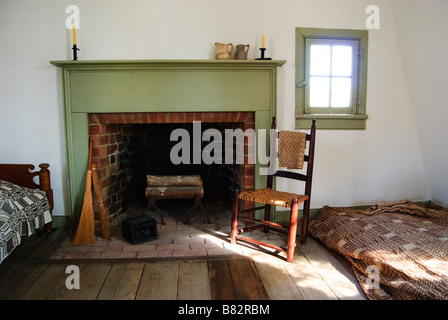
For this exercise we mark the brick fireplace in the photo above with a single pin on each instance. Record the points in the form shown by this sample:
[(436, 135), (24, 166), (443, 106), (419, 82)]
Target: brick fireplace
[(122, 169), (106, 99)]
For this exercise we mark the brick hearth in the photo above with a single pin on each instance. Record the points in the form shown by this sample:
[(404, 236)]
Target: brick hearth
[(175, 239)]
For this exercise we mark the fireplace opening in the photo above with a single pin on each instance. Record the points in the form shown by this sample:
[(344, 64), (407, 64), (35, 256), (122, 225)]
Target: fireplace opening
[(126, 150), (147, 150)]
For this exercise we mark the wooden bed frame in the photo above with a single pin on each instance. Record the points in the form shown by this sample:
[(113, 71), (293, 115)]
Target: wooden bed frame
[(23, 175)]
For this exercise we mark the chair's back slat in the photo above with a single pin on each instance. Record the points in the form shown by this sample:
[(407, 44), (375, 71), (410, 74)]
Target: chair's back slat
[(290, 175)]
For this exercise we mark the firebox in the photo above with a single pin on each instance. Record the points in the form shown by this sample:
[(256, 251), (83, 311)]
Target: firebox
[(129, 146)]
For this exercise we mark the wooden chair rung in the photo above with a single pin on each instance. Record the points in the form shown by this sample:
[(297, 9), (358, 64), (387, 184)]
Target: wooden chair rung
[(260, 243), (264, 222), (250, 228), (276, 226), (252, 209)]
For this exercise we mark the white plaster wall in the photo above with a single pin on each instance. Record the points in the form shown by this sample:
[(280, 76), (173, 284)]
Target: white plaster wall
[(421, 32), (383, 162)]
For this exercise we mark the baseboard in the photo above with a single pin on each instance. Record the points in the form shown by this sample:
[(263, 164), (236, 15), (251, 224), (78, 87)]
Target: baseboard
[(283, 215), (61, 222)]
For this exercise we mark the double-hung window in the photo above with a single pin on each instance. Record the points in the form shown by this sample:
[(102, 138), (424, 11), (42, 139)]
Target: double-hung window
[(331, 76)]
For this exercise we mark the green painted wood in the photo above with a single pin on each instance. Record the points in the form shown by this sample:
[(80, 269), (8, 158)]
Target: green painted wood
[(61, 222), (78, 154), (158, 86), (331, 121), (176, 89)]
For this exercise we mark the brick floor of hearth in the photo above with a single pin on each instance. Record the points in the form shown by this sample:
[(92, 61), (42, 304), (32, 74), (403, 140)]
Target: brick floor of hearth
[(176, 239)]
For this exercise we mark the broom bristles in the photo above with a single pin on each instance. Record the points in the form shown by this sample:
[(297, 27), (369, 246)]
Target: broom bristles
[(85, 233)]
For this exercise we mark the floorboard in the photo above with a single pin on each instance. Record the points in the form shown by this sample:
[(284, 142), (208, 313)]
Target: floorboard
[(159, 281), (247, 284), (309, 283), (92, 277), (276, 279), (221, 284), (49, 286), (122, 281), (334, 274), (15, 285), (194, 283)]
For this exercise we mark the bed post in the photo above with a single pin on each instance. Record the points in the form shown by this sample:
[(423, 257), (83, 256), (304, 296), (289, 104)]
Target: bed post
[(45, 185)]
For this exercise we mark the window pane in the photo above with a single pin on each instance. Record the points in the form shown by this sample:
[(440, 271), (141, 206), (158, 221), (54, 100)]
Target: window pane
[(342, 61), (319, 92), (320, 60), (341, 92)]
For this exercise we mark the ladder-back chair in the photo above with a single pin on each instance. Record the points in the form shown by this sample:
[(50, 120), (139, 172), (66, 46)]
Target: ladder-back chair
[(268, 196)]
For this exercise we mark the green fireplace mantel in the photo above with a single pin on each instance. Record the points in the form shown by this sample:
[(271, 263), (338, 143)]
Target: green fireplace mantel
[(108, 86)]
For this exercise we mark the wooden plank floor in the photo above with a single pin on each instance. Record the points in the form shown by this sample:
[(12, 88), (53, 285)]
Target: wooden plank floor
[(314, 274)]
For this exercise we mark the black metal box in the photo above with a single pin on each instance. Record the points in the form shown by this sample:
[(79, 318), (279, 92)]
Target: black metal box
[(140, 229)]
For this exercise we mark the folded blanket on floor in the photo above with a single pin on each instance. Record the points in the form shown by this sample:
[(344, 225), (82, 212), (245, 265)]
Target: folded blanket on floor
[(398, 250)]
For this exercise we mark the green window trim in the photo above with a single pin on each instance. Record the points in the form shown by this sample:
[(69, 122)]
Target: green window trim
[(356, 118)]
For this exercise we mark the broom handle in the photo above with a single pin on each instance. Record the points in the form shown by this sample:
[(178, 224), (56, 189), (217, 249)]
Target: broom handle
[(97, 189), (105, 228)]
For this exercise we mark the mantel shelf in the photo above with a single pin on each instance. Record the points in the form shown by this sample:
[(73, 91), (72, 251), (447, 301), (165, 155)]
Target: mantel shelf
[(167, 63)]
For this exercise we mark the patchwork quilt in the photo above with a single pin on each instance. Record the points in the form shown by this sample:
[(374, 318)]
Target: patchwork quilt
[(22, 211), (398, 250)]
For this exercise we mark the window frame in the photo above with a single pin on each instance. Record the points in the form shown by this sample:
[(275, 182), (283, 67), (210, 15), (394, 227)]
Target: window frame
[(356, 117)]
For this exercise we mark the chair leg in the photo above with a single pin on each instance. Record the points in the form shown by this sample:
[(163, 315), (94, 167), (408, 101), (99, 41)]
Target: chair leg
[(292, 230), (306, 214), (234, 231), (267, 216)]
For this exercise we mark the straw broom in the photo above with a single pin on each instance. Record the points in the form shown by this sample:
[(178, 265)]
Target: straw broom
[(85, 233), (105, 227)]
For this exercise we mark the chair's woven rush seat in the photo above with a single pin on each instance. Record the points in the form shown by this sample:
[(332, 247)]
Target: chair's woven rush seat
[(272, 197)]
